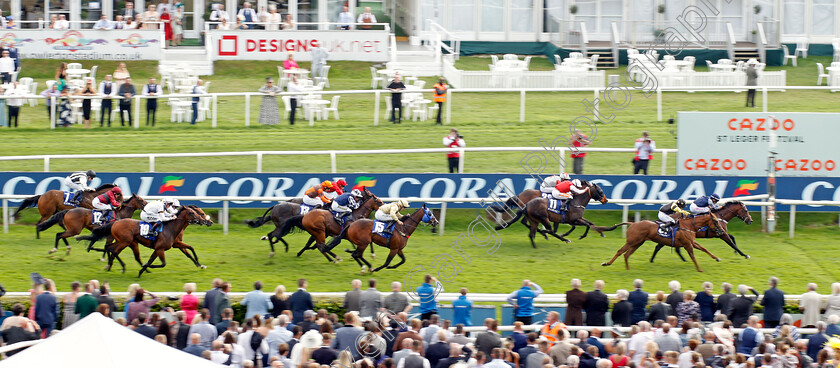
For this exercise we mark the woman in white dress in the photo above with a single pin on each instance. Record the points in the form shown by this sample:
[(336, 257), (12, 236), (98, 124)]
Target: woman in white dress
[(274, 18), (177, 26), (150, 18)]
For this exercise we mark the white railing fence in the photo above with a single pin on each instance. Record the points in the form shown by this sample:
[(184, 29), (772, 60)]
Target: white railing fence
[(453, 77), (333, 155), (437, 36), (224, 214), (491, 79)]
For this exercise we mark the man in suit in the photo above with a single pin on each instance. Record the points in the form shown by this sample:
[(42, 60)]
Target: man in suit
[(105, 298), (594, 340), (13, 53), (345, 337), (528, 349), (144, 328), (750, 337), (414, 359), (222, 303), (741, 308), (639, 299), (126, 91), (300, 302), (622, 313), (129, 11), (457, 353), (206, 331), (400, 354), (817, 341), (575, 299), (86, 304), (210, 295), (675, 298), (151, 89), (490, 339), (596, 305), (107, 90), (227, 317), (773, 302), (413, 333), (439, 350), (182, 336), (46, 309), (535, 360), (725, 298), (352, 297), (371, 301), (660, 310), (195, 347), (561, 350), (218, 14)]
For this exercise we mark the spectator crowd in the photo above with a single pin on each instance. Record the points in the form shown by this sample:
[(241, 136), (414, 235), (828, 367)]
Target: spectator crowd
[(681, 329)]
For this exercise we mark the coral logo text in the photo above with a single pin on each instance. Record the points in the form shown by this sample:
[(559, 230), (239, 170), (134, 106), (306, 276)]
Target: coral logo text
[(74, 41), (135, 41), (170, 182)]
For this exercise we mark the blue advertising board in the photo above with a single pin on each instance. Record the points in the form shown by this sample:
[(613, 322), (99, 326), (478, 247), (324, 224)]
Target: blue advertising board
[(430, 186)]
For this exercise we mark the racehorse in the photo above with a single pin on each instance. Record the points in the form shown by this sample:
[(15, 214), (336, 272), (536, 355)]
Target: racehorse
[(725, 212), (360, 234), (53, 201), (277, 214), (640, 232), (126, 233), (537, 213), (74, 220), (321, 223), (519, 202)]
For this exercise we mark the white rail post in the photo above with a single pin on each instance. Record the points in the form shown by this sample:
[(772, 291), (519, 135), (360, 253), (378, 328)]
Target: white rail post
[(333, 164), (248, 110), (46, 163), (792, 220), (442, 221), (136, 112), (224, 217), (449, 95), (522, 106), (625, 214), (376, 108), (213, 112), (52, 112), (461, 160), (6, 216), (664, 162), (658, 104), (259, 162), (595, 101), (151, 163), (764, 99)]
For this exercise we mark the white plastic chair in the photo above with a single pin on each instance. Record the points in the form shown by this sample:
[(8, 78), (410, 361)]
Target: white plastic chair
[(527, 62), (821, 74), (632, 52), (557, 60), (801, 47), (709, 64), (204, 111), (375, 80), (324, 78), (510, 57), (593, 62), (835, 43), (788, 56), (333, 107), (724, 62), (93, 73), (74, 66)]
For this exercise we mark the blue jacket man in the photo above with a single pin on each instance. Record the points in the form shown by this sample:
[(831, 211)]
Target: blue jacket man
[(46, 310), (524, 304), (773, 302), (639, 300), (300, 302), (427, 295), (257, 302), (462, 307)]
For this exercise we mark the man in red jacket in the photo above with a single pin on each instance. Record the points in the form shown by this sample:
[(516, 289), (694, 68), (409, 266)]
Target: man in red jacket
[(453, 140)]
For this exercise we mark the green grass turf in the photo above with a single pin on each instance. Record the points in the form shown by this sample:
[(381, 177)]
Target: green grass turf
[(241, 258), (485, 119)]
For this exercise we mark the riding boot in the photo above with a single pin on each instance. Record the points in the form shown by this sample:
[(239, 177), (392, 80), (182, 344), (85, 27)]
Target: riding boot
[(563, 204), (77, 198)]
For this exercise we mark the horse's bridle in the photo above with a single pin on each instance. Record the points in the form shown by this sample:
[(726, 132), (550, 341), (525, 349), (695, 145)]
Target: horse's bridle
[(737, 214)]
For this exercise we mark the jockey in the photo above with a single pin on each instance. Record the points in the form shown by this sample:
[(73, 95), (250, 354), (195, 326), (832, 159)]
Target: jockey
[(158, 212), (565, 189), (550, 182), (107, 201), (669, 209), (704, 204), (78, 181), (390, 213), (315, 197), (336, 190), (339, 186), (344, 204)]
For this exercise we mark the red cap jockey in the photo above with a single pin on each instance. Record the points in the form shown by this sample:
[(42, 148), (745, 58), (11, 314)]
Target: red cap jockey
[(110, 197), (339, 186)]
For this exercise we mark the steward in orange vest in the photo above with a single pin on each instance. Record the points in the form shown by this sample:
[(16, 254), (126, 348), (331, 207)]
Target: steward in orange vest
[(440, 97)]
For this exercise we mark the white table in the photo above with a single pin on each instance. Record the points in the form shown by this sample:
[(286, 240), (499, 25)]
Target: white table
[(576, 55), (723, 67), (301, 73), (184, 89), (180, 110), (833, 76), (310, 106)]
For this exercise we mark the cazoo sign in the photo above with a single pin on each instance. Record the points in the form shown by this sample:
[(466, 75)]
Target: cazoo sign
[(427, 185)]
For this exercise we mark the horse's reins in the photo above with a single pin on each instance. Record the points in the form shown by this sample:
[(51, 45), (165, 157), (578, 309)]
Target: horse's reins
[(743, 218)]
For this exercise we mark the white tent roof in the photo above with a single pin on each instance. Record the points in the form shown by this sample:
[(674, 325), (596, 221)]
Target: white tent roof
[(98, 341)]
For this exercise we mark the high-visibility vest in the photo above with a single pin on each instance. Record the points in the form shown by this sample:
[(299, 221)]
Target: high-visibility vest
[(442, 96), (551, 333)]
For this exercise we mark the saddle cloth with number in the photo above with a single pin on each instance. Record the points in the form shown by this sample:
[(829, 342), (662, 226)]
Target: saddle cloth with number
[(382, 229), (554, 206), (101, 217), (305, 208), (146, 230), (68, 199)]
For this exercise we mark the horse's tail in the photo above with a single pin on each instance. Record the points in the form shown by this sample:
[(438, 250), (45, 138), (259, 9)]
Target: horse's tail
[(29, 202), (58, 218), (512, 221), (259, 221), (510, 203), (290, 224), (98, 233), (609, 228)]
